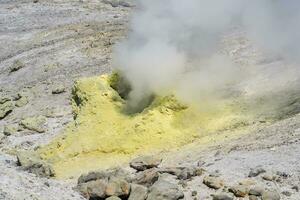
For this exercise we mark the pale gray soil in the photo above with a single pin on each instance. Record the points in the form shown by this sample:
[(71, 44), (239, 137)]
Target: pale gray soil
[(63, 40)]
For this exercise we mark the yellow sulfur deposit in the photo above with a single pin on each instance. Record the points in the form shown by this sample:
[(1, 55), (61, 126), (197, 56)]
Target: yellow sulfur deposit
[(103, 135)]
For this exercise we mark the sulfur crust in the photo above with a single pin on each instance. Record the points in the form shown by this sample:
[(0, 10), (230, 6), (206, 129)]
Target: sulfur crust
[(103, 136)]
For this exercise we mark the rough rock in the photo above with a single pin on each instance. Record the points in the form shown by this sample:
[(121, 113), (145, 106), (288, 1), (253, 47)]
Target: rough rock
[(256, 190), (223, 196), (138, 192), (10, 129), (5, 108), (270, 195), (31, 162), (117, 187), (182, 173), (4, 99), (57, 89), (287, 193), (22, 101), (37, 124), (164, 190), (256, 171), (17, 65), (145, 162), (253, 197), (239, 190), (117, 3), (213, 182), (269, 177), (92, 176), (147, 177), (93, 189), (113, 198)]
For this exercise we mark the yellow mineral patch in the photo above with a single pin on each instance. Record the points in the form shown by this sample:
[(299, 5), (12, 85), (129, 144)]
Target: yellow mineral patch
[(103, 135)]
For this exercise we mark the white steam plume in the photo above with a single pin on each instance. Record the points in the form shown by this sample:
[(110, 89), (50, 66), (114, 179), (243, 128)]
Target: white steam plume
[(174, 47)]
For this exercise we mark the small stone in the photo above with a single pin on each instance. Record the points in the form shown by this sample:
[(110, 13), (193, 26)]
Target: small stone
[(239, 190), (295, 187), (256, 171), (256, 190), (223, 196), (37, 124), (194, 193), (268, 177), (287, 193), (200, 163), (145, 162), (4, 99), (253, 197), (10, 129), (21, 102), (17, 65), (35, 1), (31, 162), (247, 182), (164, 190), (113, 198), (58, 89), (6, 108), (282, 174), (117, 187), (138, 192), (270, 195), (213, 182)]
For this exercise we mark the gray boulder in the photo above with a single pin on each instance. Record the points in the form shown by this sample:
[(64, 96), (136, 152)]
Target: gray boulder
[(138, 192), (164, 190), (145, 162), (93, 189)]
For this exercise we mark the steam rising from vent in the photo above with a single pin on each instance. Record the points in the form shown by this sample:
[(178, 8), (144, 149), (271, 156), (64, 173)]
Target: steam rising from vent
[(177, 46)]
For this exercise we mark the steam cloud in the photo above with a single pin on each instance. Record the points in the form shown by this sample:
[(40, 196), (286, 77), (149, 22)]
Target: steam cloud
[(174, 47)]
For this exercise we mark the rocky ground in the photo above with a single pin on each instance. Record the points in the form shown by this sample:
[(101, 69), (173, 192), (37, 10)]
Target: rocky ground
[(46, 45)]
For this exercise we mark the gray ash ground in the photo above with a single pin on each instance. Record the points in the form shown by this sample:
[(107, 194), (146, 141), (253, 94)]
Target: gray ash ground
[(47, 45)]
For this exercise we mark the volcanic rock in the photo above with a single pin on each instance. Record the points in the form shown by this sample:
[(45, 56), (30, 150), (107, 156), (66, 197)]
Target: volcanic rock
[(92, 176), (138, 192), (222, 196), (21, 102), (17, 65), (113, 198), (164, 190), (253, 197), (256, 190), (117, 187), (93, 189), (147, 177), (10, 129), (239, 190), (57, 89), (37, 124), (145, 162), (31, 162), (256, 171), (213, 182), (5, 108), (270, 195)]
